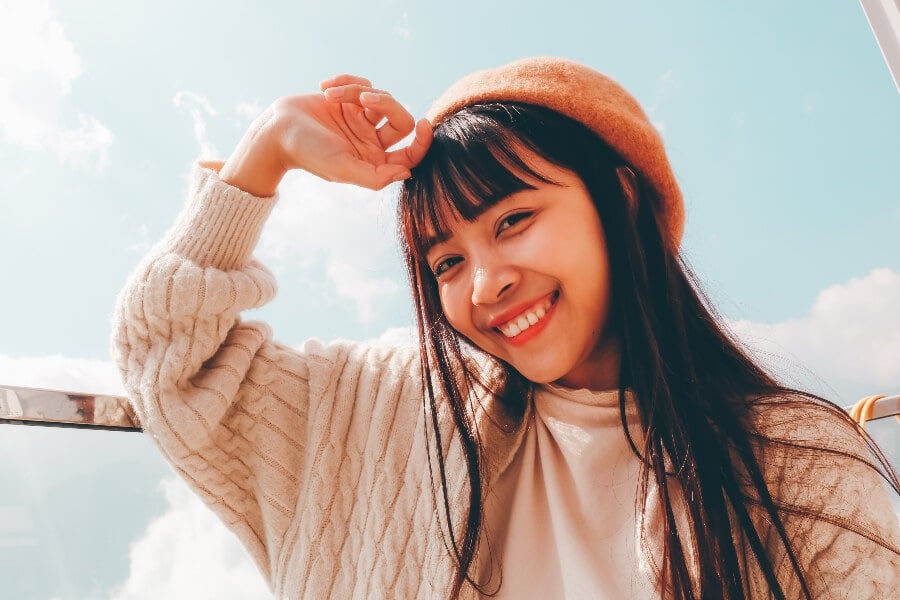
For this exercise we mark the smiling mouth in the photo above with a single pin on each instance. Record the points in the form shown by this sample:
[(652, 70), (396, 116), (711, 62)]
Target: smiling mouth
[(529, 318)]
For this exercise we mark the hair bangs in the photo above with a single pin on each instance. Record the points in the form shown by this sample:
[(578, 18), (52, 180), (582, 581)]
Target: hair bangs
[(474, 162)]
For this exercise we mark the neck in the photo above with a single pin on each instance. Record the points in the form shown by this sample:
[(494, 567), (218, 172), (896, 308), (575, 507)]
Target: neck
[(598, 372)]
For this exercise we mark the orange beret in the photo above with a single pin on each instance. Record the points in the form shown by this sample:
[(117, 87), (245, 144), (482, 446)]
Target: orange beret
[(589, 97)]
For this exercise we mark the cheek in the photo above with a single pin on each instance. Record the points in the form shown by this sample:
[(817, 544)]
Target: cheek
[(583, 267), (455, 304)]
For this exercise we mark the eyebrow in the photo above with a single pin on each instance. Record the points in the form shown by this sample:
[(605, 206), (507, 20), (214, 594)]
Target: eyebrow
[(442, 237), (439, 238), (433, 240)]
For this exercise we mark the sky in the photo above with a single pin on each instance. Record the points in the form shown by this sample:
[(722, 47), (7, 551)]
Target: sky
[(780, 119)]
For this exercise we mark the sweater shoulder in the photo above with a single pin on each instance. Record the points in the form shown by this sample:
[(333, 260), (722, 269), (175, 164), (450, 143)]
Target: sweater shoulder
[(832, 497)]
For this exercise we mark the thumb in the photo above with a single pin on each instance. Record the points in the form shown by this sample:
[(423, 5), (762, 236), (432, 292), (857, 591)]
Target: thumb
[(391, 173), (367, 175)]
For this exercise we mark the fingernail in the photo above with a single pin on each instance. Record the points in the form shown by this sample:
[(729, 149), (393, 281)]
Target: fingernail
[(334, 93), (370, 97)]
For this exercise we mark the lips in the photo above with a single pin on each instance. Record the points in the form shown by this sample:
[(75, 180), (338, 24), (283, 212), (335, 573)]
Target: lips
[(525, 321)]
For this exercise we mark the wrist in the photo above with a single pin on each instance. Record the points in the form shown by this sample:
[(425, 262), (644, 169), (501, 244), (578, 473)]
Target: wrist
[(256, 165)]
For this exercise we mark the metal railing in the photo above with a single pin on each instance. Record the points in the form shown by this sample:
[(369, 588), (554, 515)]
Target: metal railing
[(56, 408), (884, 19)]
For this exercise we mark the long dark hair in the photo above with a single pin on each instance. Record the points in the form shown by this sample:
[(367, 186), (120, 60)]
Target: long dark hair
[(696, 389)]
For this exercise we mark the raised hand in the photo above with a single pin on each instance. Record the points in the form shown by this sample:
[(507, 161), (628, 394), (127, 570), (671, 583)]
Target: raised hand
[(342, 134)]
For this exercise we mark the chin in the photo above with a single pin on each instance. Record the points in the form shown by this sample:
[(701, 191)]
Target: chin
[(540, 376)]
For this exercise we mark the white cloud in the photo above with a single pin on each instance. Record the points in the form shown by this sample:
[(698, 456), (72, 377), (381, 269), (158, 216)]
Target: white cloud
[(199, 108), (187, 553), (59, 372), (366, 291), (402, 29), (145, 244), (85, 147), (349, 229), (400, 336), (249, 110), (37, 67), (851, 335), (666, 83)]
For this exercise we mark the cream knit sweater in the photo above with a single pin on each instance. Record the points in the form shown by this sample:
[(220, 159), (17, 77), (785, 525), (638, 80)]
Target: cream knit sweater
[(315, 457)]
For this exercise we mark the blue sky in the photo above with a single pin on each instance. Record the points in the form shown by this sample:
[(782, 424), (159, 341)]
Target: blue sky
[(781, 121)]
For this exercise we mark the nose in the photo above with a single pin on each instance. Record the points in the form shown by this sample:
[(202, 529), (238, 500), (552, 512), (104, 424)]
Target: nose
[(490, 283)]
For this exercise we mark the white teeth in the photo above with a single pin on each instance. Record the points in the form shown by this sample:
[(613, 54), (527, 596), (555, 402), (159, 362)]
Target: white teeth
[(523, 322)]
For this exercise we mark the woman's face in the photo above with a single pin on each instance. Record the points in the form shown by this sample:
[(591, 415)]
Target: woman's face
[(528, 282)]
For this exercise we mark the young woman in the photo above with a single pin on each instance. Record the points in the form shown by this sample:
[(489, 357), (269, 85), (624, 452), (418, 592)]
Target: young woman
[(574, 423)]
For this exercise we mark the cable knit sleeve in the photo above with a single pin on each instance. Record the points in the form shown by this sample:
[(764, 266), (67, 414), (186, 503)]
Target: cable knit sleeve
[(838, 513), (228, 407)]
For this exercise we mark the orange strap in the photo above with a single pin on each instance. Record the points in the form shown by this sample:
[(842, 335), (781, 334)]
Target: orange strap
[(862, 410)]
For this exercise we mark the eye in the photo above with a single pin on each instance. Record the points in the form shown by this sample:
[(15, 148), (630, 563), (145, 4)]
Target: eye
[(444, 265), (512, 220)]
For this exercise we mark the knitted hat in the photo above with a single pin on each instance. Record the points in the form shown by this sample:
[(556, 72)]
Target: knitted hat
[(589, 97)]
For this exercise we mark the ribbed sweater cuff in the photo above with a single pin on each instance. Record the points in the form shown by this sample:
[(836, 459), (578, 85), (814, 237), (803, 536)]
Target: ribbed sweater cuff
[(221, 224)]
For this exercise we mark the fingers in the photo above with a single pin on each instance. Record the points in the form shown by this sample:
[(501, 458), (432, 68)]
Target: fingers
[(373, 117), (351, 92), (348, 92), (413, 154), (346, 167), (365, 174), (377, 105), (343, 79), (400, 123)]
